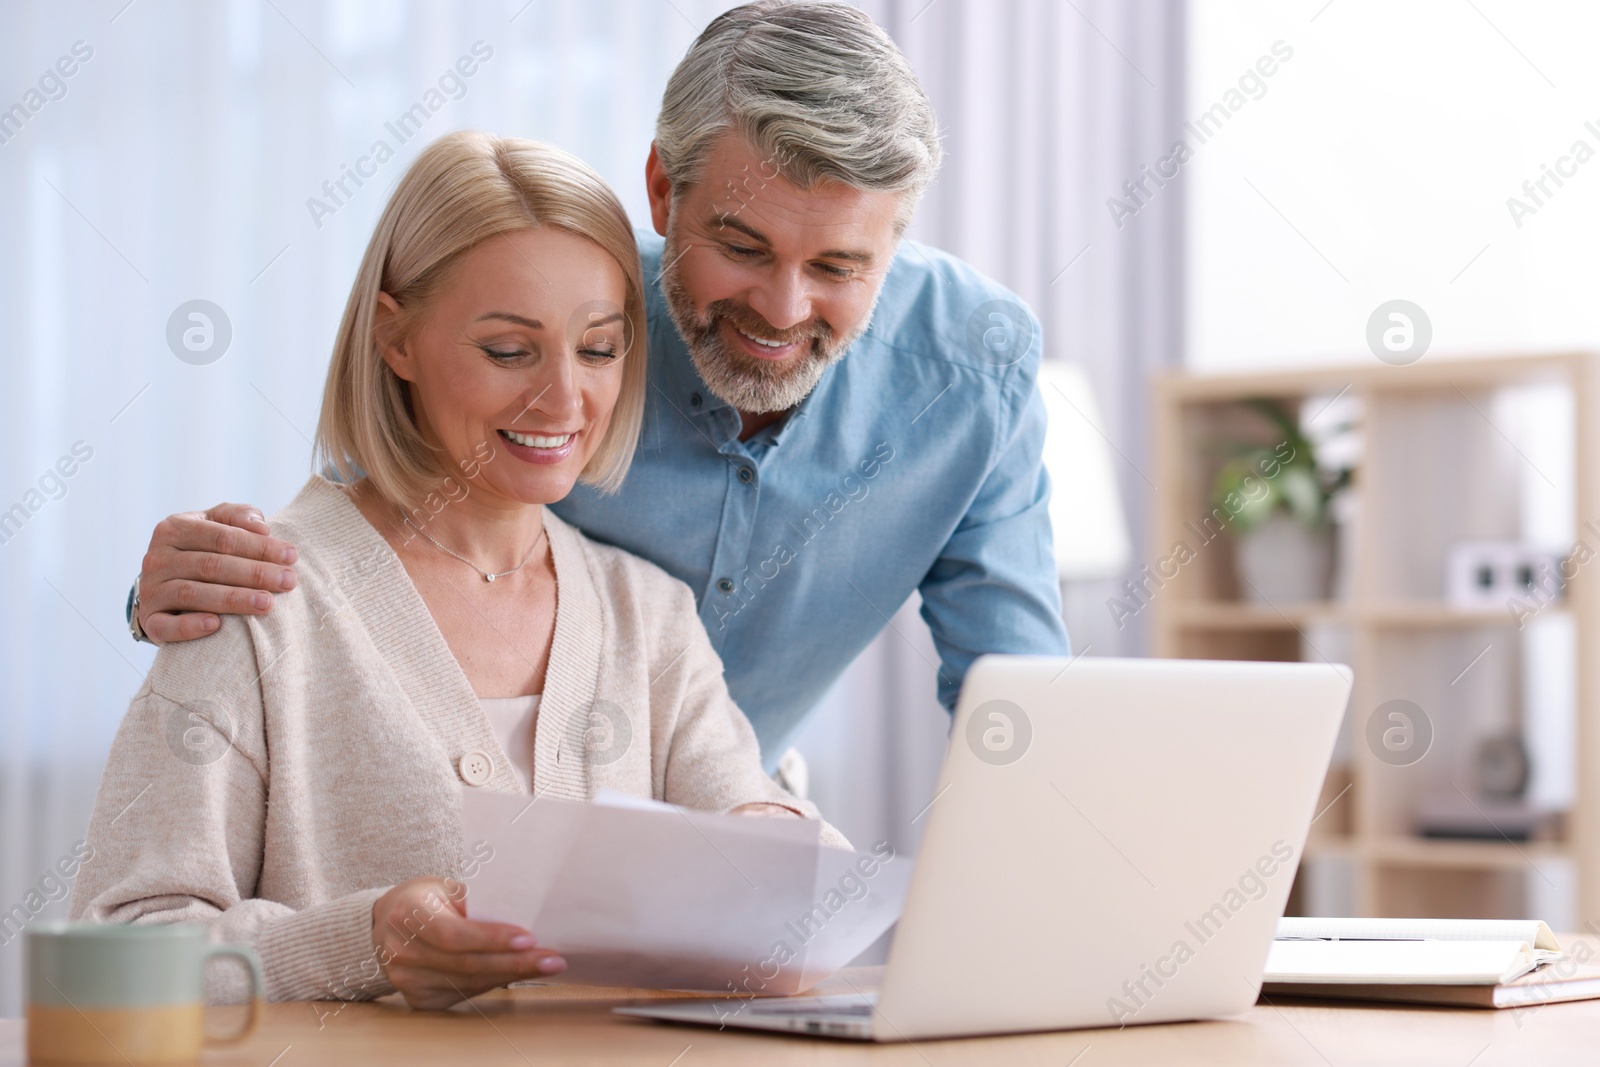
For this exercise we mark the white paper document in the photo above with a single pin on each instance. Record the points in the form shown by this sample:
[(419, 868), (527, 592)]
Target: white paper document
[(638, 893)]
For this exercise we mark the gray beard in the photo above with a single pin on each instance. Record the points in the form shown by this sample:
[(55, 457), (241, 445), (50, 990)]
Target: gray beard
[(750, 384)]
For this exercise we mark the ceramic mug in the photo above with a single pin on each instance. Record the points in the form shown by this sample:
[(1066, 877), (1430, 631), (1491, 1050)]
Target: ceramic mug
[(119, 993)]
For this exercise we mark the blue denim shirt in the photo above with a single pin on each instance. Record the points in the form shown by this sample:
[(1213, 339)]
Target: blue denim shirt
[(913, 465)]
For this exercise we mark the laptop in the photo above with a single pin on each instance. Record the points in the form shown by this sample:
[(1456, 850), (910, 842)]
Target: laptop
[(1111, 843)]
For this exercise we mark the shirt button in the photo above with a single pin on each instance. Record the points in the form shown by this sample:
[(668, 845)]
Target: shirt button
[(746, 475), (724, 584), (476, 768), (694, 400)]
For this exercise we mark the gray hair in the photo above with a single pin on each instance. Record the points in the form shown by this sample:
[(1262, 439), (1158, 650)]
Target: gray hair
[(815, 86)]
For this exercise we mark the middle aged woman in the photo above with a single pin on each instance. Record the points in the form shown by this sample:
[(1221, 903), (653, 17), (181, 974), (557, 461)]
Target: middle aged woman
[(294, 782)]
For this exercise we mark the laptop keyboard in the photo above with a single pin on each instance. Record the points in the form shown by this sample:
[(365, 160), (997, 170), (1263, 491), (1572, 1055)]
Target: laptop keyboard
[(843, 1004)]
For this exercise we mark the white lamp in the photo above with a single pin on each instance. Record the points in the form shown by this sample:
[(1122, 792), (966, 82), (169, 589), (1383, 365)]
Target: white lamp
[(1086, 516)]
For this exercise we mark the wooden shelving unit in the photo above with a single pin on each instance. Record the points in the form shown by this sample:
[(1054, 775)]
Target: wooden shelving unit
[(1435, 468)]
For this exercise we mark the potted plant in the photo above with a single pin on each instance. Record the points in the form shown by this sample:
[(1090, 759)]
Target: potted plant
[(1277, 501)]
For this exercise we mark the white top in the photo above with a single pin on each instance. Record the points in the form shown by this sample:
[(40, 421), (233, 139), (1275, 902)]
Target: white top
[(514, 719)]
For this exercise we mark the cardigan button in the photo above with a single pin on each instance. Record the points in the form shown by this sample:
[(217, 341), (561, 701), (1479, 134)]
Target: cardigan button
[(476, 768)]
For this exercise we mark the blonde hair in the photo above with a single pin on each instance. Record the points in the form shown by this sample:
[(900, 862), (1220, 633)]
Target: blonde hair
[(461, 190)]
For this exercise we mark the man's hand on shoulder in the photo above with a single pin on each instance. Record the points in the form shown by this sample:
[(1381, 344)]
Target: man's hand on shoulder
[(202, 564)]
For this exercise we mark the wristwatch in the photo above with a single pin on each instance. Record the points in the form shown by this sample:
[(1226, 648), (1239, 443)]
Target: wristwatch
[(132, 611)]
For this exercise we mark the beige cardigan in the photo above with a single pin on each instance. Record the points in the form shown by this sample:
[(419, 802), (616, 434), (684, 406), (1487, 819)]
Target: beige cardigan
[(275, 779)]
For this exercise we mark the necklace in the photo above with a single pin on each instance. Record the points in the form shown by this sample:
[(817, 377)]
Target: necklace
[(487, 576)]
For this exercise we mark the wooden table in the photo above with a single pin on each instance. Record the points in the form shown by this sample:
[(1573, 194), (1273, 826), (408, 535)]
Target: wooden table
[(554, 1024)]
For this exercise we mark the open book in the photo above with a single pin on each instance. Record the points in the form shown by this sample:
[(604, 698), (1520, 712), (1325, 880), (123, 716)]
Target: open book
[(1481, 962)]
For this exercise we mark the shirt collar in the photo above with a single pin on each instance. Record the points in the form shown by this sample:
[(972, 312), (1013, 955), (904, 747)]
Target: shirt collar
[(679, 378)]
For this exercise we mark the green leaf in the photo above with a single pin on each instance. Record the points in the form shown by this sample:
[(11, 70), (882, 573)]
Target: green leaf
[(1302, 491)]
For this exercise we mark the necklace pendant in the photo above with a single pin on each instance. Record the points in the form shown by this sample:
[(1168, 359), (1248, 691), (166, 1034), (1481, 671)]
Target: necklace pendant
[(490, 577)]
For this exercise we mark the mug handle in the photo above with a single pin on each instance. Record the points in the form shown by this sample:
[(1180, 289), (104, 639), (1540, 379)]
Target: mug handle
[(252, 963)]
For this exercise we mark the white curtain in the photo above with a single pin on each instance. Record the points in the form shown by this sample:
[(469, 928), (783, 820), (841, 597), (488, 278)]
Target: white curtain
[(179, 160)]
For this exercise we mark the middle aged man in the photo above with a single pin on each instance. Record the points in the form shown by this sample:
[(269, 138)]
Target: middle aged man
[(836, 418)]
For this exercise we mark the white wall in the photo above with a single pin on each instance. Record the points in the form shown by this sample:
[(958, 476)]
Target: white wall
[(1391, 141)]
